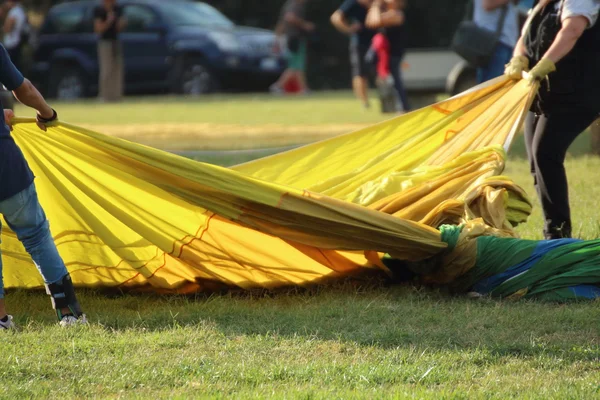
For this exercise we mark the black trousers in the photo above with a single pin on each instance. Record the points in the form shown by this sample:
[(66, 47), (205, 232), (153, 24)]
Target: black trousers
[(547, 138)]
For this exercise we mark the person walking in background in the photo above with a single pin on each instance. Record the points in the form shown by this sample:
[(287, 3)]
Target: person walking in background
[(15, 29), (294, 28), (487, 14), (388, 15), (350, 19), (20, 206), (108, 22)]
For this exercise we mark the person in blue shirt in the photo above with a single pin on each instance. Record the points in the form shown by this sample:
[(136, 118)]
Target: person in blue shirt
[(350, 19), (19, 204)]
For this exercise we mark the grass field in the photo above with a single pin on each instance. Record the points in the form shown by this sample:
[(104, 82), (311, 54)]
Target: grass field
[(345, 341)]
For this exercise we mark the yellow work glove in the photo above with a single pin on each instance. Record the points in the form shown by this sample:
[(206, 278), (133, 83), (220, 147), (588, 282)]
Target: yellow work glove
[(541, 70), (514, 69)]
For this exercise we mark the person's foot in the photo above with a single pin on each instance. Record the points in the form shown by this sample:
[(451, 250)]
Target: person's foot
[(367, 105), (71, 320), (275, 89), (554, 233), (7, 323)]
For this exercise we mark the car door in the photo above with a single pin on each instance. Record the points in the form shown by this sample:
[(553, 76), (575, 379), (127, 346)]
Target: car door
[(144, 46)]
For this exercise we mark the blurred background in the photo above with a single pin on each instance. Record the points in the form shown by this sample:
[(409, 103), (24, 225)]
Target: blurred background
[(60, 56)]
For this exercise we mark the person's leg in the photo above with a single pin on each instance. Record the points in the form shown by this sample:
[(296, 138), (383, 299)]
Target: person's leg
[(361, 89), (301, 67), (2, 305), (481, 74), (278, 87), (530, 127), (396, 70), (288, 74), (27, 219), (495, 68), (553, 135), (119, 71), (113, 73), (360, 84), (104, 66)]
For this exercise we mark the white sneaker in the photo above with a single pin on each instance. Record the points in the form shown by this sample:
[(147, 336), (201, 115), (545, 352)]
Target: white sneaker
[(70, 320), (276, 89), (9, 324)]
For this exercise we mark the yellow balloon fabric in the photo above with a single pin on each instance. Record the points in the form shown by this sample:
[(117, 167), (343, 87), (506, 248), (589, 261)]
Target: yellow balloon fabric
[(129, 216)]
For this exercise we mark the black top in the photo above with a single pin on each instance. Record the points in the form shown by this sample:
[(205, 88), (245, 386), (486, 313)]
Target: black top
[(576, 82), (397, 38), (111, 33), (15, 175), (356, 12)]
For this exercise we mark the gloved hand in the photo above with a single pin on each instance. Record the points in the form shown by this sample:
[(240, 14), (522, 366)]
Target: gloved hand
[(514, 69), (541, 70)]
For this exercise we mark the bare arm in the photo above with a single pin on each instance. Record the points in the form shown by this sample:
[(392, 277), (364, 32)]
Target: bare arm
[(491, 5), (293, 19), (571, 31), (9, 25), (29, 95), (122, 24), (520, 49), (377, 19), (338, 20), (102, 26)]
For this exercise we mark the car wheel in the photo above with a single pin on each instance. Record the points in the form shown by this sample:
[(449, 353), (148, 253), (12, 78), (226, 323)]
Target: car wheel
[(67, 83), (196, 79)]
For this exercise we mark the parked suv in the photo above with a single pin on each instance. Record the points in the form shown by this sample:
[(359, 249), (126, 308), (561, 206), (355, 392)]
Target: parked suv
[(177, 46)]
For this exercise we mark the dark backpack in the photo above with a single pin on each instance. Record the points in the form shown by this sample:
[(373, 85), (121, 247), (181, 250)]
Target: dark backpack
[(475, 44)]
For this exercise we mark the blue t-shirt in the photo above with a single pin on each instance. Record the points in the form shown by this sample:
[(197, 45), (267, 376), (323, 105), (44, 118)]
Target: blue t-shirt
[(15, 175), (356, 12)]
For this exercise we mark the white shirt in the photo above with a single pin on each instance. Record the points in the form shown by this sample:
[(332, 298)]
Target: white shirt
[(585, 8), (13, 38), (489, 20)]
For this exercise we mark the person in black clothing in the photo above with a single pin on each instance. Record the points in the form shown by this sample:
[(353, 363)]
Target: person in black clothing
[(350, 19), (388, 15), (108, 22), (562, 39)]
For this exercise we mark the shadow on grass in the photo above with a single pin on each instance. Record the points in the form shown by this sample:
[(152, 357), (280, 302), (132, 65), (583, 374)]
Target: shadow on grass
[(367, 315)]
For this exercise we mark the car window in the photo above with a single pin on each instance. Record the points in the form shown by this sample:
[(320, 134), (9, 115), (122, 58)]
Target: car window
[(139, 18), (69, 20), (194, 14)]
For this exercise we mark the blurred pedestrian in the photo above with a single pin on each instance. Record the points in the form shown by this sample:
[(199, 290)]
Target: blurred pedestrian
[(15, 30), (108, 23), (388, 15), (293, 29), (488, 14), (21, 208), (350, 19)]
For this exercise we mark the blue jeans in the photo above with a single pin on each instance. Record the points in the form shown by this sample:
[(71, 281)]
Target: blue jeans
[(396, 70), (27, 219), (495, 68)]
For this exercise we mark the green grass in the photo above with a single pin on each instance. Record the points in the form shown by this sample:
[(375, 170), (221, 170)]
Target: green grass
[(346, 341), (250, 109)]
